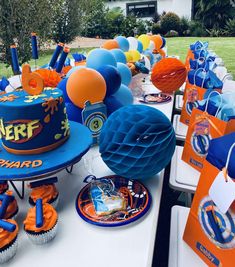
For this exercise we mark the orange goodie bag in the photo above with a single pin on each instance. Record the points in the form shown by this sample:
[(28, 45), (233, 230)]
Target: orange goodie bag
[(202, 128), (189, 56), (192, 94), (210, 228)]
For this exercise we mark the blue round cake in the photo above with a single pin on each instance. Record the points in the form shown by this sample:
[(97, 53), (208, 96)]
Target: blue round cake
[(33, 124)]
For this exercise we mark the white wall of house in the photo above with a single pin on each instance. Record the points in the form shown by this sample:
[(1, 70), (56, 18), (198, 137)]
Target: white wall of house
[(180, 7)]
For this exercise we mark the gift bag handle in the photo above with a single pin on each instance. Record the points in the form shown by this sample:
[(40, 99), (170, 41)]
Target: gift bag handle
[(207, 102), (225, 169), (194, 78)]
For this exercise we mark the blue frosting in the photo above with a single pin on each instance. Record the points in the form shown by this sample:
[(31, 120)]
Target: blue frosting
[(18, 109)]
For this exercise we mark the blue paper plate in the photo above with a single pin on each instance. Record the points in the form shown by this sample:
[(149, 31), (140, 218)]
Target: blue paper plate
[(69, 153), (137, 196)]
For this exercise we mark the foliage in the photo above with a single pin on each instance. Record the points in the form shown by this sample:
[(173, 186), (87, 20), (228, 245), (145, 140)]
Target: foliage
[(214, 13), (230, 27), (184, 27), (172, 33), (169, 22), (66, 19), (156, 28), (215, 32), (197, 29)]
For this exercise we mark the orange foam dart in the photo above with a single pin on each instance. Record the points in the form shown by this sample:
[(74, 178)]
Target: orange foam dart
[(32, 82)]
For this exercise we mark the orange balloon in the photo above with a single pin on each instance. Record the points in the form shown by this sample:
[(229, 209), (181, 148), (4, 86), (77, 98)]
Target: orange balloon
[(80, 63), (50, 77), (157, 39), (86, 85), (168, 74), (162, 53), (110, 44)]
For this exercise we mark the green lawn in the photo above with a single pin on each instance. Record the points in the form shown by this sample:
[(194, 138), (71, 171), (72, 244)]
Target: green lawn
[(223, 47)]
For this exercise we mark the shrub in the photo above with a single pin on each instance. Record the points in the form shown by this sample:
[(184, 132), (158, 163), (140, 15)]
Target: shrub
[(156, 28), (197, 29), (169, 22), (230, 27), (215, 32), (172, 33), (184, 27)]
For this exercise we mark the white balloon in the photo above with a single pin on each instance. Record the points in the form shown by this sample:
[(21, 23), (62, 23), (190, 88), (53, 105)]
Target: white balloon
[(147, 62), (133, 43), (151, 46)]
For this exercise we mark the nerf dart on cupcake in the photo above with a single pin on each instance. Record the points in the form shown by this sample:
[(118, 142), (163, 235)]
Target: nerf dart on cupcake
[(46, 190), (41, 223), (8, 206), (8, 240), (3, 186)]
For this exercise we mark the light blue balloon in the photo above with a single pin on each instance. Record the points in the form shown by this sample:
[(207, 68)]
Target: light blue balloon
[(100, 57), (123, 43), (149, 54), (124, 95), (119, 55), (74, 69), (140, 47), (125, 73)]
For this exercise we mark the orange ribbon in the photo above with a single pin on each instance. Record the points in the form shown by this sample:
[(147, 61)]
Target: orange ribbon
[(206, 116)]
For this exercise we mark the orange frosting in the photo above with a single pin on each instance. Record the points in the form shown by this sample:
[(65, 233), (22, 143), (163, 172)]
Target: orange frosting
[(50, 218), (7, 237), (12, 207), (46, 192)]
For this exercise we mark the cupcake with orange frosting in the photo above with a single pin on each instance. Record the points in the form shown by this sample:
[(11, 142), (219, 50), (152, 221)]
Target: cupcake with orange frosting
[(8, 206), (41, 223), (3, 186), (46, 190), (8, 240)]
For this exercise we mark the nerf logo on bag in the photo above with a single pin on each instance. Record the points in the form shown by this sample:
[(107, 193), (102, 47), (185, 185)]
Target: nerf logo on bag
[(207, 253), (19, 131), (196, 163)]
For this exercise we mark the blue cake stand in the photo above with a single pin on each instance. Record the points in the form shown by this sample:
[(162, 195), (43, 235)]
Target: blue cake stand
[(53, 161)]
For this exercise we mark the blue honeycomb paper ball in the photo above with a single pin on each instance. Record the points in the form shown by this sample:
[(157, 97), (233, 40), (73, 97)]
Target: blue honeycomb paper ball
[(137, 141)]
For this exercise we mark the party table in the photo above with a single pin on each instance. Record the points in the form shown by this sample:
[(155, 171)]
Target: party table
[(81, 244), (180, 254)]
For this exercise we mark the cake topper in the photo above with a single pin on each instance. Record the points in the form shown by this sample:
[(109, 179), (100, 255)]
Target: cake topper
[(32, 82)]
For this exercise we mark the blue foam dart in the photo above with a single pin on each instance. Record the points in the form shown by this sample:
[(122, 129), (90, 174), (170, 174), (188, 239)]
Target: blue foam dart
[(14, 58), (62, 60), (43, 182), (53, 161), (56, 54), (215, 226), (39, 213), (7, 226), (6, 200), (34, 45)]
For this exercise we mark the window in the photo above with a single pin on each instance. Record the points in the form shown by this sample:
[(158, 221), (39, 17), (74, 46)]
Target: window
[(143, 9)]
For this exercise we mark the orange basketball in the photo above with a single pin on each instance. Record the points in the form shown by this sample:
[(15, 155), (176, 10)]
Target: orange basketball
[(86, 85), (110, 44), (168, 74)]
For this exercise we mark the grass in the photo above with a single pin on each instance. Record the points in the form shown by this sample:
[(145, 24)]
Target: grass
[(223, 47)]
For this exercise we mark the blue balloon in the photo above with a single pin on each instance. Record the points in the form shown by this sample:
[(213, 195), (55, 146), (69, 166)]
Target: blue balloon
[(123, 43), (125, 73), (62, 86), (149, 54), (112, 78), (100, 57), (163, 42), (137, 141), (140, 47), (119, 55), (74, 113), (112, 104), (124, 95), (74, 69)]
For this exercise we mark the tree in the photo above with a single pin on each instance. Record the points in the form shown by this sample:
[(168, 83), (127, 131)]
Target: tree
[(67, 20), (214, 13)]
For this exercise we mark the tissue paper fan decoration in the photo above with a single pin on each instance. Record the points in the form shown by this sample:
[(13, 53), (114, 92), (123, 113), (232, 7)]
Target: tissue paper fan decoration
[(137, 141), (168, 74)]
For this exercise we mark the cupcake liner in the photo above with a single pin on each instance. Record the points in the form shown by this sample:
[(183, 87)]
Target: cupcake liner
[(44, 237), (54, 202), (9, 252)]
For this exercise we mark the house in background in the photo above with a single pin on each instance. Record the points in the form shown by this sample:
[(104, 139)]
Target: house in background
[(146, 8)]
